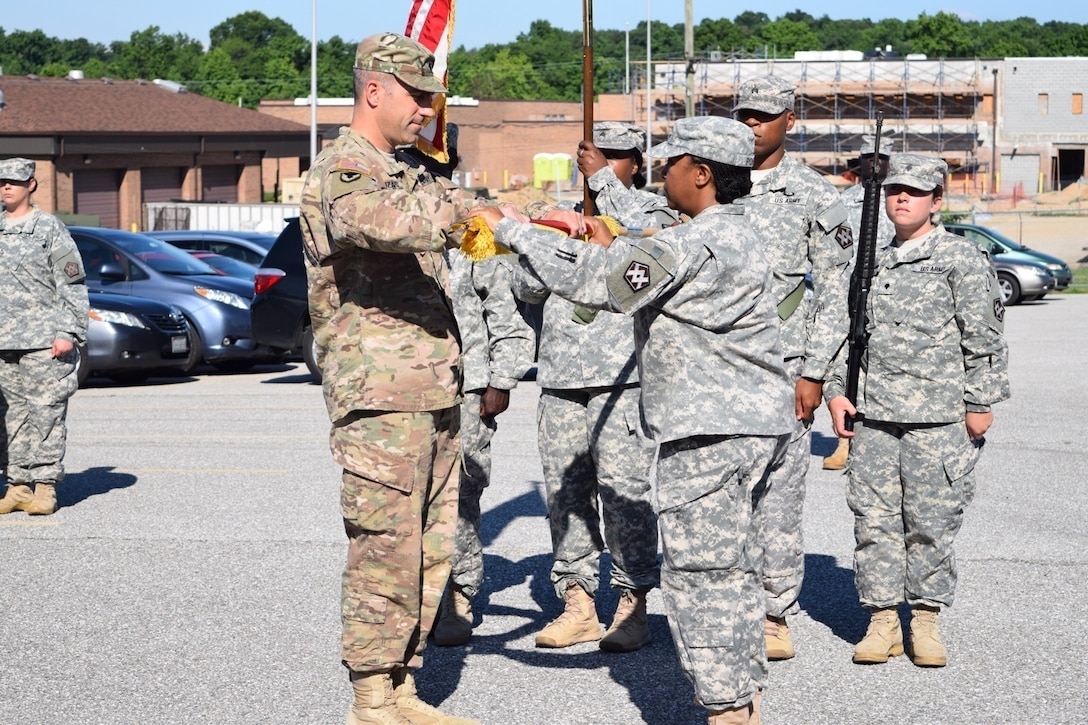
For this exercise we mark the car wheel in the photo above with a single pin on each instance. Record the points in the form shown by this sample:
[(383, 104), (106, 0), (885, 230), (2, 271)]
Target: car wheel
[(309, 354), (82, 369), (196, 350), (1010, 288)]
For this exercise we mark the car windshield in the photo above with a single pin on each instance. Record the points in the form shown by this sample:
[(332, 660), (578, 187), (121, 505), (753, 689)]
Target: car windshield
[(162, 257), (1014, 246), (230, 266)]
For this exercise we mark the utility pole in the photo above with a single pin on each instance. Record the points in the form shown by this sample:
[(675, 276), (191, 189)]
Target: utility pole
[(649, 98), (689, 57), (993, 145)]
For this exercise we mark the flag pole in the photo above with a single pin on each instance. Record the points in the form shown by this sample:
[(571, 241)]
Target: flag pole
[(587, 93)]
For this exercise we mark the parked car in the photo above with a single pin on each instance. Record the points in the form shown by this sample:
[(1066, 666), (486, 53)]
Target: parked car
[(228, 266), (248, 247), (280, 313), (997, 244), (130, 338), (216, 307)]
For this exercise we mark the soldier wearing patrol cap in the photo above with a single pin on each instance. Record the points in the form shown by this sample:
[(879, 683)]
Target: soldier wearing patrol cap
[(868, 164), (715, 395), (43, 319), (804, 226), (374, 229), (936, 362)]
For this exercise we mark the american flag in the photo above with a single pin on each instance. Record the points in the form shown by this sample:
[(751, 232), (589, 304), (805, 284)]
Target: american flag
[(431, 23)]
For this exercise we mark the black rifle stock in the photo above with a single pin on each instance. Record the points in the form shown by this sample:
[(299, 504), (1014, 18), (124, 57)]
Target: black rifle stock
[(864, 268)]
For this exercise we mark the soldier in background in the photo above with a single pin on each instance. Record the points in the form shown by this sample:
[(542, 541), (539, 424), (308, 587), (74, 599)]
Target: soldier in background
[(935, 363), (803, 224), (374, 229), (715, 395), (43, 320), (869, 164), (590, 436)]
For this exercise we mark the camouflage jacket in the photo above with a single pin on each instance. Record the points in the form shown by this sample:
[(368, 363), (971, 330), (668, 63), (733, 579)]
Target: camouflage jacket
[(936, 345), (705, 325), (43, 293), (630, 207), (852, 199), (373, 232), (803, 223), (497, 344)]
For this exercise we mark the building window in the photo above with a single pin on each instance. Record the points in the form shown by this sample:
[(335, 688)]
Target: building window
[(1044, 103), (1078, 104)]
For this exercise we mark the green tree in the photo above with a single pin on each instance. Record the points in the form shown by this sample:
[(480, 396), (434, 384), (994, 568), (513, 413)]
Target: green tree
[(785, 37), (939, 36), (335, 63), (218, 78), (152, 54), (252, 39)]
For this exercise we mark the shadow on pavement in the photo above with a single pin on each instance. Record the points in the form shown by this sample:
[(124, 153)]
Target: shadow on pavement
[(78, 487)]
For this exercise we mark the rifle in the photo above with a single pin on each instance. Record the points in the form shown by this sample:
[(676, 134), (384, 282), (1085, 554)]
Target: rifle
[(862, 279)]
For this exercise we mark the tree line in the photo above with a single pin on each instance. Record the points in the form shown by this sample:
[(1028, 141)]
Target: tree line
[(251, 56)]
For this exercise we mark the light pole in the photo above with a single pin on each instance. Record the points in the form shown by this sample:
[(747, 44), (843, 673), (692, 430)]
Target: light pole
[(993, 145)]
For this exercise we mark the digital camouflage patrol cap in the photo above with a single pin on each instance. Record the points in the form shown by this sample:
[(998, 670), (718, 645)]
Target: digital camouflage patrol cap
[(618, 136), (769, 94), (400, 56), (709, 137), (868, 145), (924, 173), (17, 169)]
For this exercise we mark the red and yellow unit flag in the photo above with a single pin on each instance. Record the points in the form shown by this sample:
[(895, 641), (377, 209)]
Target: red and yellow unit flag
[(430, 22)]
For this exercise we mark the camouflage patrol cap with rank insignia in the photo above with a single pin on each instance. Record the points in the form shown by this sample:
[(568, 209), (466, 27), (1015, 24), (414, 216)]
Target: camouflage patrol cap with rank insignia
[(400, 56), (17, 169), (618, 136), (709, 137), (868, 145), (924, 173), (769, 94)]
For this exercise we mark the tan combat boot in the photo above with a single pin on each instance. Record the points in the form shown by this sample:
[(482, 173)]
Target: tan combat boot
[(454, 624), (374, 703), (926, 647), (417, 711), (837, 460), (577, 623), (45, 500), (777, 635), (16, 497), (629, 629), (882, 640)]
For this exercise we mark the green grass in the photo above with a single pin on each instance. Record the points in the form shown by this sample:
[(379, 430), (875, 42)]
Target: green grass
[(1080, 282)]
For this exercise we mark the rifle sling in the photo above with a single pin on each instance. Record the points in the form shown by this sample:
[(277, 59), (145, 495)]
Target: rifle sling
[(789, 305)]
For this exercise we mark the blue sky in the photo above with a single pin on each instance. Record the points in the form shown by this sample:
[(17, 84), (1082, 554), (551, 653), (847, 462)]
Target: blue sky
[(477, 21)]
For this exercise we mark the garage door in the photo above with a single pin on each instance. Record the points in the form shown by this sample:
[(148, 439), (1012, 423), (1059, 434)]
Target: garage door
[(161, 184), (1021, 170), (220, 183), (97, 192)]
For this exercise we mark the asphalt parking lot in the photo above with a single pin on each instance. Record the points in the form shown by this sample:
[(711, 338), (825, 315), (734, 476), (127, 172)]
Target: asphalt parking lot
[(192, 573)]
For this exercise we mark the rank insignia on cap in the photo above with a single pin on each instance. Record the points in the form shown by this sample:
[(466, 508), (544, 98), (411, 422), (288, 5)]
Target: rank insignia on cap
[(71, 269), (844, 236), (637, 276), (999, 309)]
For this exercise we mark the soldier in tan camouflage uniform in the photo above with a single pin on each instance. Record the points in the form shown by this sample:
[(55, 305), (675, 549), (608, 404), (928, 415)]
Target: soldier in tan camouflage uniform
[(589, 434), (869, 163), (43, 319), (936, 362), (803, 223), (497, 351), (715, 396), (374, 229)]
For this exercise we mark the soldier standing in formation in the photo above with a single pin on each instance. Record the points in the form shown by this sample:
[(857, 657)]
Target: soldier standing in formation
[(44, 319), (715, 394), (869, 164), (936, 362), (590, 437), (373, 233), (801, 220)]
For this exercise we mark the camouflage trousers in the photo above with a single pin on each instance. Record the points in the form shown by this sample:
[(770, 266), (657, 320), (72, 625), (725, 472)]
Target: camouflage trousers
[(908, 488), (34, 392), (400, 512), (591, 446), (476, 435), (780, 540), (708, 490)]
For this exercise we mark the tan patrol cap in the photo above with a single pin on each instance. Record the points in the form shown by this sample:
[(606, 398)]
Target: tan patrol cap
[(400, 56)]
